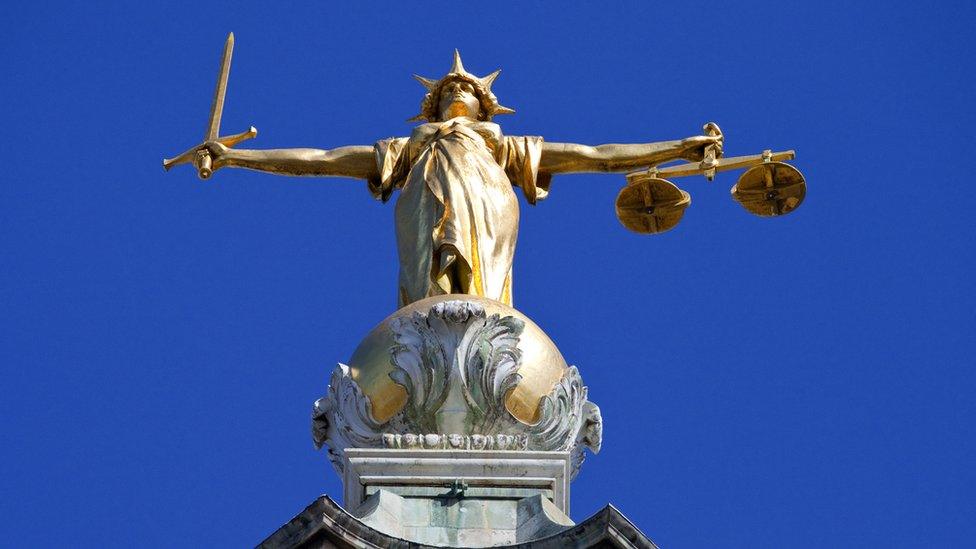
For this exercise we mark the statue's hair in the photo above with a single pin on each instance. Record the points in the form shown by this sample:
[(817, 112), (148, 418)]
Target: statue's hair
[(430, 106)]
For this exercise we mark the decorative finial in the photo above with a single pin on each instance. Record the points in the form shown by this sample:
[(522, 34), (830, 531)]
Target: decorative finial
[(487, 81), (426, 82), (458, 66)]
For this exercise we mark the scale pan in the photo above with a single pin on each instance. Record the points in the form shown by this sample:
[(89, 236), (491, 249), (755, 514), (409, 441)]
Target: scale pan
[(649, 205), (770, 189)]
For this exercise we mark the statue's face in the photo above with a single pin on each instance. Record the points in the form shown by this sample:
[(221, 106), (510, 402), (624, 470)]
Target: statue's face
[(458, 99)]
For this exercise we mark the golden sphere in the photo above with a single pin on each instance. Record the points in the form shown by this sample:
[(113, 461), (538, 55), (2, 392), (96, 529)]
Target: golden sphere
[(542, 363)]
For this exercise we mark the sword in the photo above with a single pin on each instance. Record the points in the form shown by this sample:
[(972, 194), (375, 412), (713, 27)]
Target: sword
[(199, 155)]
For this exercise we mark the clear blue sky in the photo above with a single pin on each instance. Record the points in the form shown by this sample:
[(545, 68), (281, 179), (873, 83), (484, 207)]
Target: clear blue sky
[(794, 382)]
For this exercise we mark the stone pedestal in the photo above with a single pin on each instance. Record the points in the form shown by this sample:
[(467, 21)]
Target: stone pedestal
[(483, 518), (459, 498), (470, 473)]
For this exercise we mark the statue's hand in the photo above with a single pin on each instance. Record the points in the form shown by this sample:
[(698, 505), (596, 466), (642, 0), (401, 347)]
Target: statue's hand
[(218, 153), (693, 148)]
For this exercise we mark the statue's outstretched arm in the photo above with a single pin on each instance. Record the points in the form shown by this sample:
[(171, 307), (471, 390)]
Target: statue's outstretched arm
[(353, 161), (574, 158)]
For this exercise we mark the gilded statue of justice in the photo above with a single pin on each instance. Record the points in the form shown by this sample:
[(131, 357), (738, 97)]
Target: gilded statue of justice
[(457, 214)]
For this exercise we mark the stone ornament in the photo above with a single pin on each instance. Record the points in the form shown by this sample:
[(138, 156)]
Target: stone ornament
[(457, 364), (458, 356), (455, 441)]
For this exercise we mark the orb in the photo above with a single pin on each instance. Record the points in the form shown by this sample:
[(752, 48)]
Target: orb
[(542, 363)]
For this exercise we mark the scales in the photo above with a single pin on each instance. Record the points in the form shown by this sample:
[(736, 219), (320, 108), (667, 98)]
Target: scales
[(651, 204)]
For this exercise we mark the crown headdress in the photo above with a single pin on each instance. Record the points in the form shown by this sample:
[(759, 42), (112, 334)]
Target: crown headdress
[(482, 88)]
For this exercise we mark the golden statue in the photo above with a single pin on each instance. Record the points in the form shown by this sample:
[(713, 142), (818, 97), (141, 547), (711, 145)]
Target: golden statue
[(457, 215)]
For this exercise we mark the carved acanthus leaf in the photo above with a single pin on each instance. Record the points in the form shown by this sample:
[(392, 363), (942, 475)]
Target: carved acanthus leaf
[(560, 413), (489, 359), (423, 357), (568, 421), (344, 418)]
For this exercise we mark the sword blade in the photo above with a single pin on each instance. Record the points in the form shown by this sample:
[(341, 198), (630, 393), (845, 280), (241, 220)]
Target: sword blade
[(217, 107)]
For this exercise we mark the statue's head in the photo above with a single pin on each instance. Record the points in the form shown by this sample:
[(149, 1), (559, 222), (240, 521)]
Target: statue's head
[(458, 98), (459, 93)]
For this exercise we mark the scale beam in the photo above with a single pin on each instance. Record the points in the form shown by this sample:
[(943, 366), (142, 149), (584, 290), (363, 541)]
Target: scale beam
[(722, 164)]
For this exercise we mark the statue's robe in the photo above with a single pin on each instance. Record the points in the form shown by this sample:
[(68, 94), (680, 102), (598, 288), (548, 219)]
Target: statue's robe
[(456, 179)]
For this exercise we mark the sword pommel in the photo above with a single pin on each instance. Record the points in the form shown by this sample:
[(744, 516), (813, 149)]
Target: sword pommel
[(204, 164)]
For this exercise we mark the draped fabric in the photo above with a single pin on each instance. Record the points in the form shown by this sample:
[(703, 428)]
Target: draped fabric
[(456, 180)]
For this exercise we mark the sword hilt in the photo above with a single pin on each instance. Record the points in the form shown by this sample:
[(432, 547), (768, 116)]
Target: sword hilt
[(201, 157)]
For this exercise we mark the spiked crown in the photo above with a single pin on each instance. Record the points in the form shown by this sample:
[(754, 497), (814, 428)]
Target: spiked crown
[(482, 89)]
